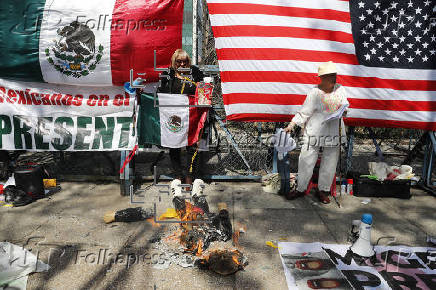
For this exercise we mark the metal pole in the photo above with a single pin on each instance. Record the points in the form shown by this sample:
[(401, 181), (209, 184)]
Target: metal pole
[(194, 31), (340, 165), (275, 167), (125, 176), (233, 142), (350, 144), (424, 163), (431, 152), (377, 147), (433, 140)]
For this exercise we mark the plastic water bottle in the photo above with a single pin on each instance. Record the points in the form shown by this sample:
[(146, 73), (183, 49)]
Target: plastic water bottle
[(343, 187)]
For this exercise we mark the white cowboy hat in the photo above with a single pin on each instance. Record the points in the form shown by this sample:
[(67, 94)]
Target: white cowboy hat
[(327, 68)]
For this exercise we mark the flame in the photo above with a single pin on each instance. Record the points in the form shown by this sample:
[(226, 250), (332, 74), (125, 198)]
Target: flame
[(183, 236), (236, 260), (175, 236), (234, 254), (235, 238), (237, 256), (190, 213), (200, 248), (237, 233), (153, 223)]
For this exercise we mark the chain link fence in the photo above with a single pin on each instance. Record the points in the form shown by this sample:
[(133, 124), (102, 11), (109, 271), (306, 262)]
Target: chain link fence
[(395, 145), (241, 149), (238, 149)]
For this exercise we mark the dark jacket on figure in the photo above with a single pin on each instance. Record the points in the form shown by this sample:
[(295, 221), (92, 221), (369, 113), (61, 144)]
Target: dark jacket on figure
[(173, 85)]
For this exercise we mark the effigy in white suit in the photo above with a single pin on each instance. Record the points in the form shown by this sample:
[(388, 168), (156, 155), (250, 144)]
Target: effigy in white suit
[(317, 133)]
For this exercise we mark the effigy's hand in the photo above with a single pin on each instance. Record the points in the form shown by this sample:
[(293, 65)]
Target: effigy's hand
[(289, 128)]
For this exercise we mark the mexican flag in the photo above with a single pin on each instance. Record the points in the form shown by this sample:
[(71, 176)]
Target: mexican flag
[(87, 42), (168, 121)]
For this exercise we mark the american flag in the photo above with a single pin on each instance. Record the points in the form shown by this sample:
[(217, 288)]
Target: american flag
[(269, 52)]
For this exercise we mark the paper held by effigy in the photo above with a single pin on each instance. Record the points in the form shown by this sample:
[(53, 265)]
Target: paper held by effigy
[(283, 142), (337, 114)]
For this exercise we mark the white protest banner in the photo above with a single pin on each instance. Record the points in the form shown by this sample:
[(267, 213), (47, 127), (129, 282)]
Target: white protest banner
[(327, 266), (45, 117)]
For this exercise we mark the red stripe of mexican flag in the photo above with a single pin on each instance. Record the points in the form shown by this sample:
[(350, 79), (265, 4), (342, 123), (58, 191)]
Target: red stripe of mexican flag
[(96, 43), (152, 25), (197, 119), (169, 121)]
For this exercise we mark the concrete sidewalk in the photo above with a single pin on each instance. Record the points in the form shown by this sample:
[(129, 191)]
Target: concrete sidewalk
[(67, 232)]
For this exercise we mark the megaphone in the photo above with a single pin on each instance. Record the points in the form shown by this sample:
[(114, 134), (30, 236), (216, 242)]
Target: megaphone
[(362, 246)]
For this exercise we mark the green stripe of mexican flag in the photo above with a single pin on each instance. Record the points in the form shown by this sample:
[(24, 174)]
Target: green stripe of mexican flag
[(169, 122), (19, 40), (83, 42)]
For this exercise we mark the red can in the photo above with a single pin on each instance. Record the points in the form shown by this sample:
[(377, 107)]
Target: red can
[(350, 186)]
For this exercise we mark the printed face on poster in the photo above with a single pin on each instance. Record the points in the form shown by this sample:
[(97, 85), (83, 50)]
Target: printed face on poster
[(327, 266)]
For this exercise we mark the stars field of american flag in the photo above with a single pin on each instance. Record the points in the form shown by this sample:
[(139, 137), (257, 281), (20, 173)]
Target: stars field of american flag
[(269, 51), (397, 34)]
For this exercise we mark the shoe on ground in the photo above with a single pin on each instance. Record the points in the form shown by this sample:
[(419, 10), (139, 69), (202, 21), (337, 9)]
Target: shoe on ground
[(175, 187), (198, 187), (323, 196), (294, 194)]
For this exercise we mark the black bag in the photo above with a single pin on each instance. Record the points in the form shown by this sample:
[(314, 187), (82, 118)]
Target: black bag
[(30, 180)]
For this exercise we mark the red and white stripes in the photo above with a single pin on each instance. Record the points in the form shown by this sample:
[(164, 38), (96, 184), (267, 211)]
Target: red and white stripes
[(269, 51)]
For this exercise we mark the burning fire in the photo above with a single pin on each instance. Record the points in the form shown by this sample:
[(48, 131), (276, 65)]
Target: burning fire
[(189, 213), (237, 233), (196, 237), (224, 262), (153, 223), (235, 259), (190, 235), (175, 236), (200, 248), (235, 238)]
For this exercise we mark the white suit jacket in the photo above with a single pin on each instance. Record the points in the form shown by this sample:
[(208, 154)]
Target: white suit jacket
[(317, 106)]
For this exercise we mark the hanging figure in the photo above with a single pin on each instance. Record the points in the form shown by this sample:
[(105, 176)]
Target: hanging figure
[(321, 102), (179, 81)]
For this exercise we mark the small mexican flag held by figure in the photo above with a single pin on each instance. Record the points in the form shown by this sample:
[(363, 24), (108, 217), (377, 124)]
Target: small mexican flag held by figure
[(169, 122)]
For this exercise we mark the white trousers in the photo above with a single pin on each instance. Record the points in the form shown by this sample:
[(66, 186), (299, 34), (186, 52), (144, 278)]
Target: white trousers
[(327, 169)]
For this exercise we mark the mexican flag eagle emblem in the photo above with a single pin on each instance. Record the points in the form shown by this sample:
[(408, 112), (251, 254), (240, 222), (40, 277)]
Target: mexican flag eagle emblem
[(74, 53)]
